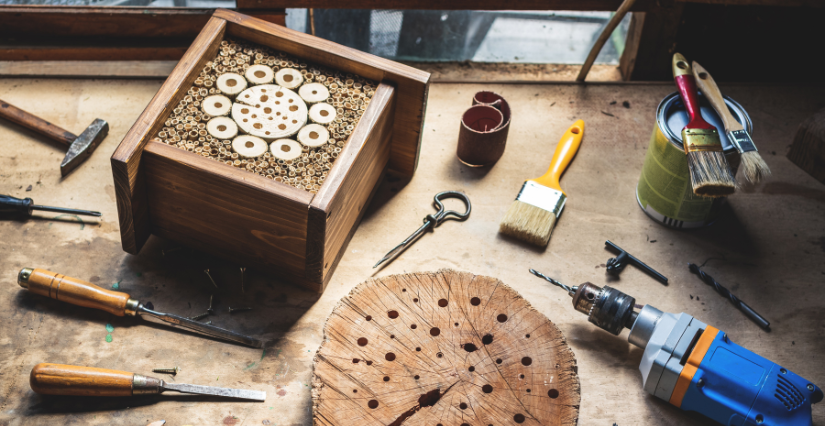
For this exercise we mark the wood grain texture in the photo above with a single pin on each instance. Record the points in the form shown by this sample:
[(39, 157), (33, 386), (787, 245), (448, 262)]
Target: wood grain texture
[(411, 84), (652, 39), (81, 50), (337, 209), (77, 292), (224, 210), (446, 347), (808, 147), (58, 379), (35, 123), (129, 189), (99, 69)]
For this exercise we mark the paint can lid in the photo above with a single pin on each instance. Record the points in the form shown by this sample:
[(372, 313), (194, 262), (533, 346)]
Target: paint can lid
[(672, 117)]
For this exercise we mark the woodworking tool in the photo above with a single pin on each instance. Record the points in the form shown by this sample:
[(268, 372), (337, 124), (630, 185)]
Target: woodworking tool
[(696, 367), (80, 147), (742, 306), (81, 293), (21, 209), (58, 379), (615, 265), (231, 309), (431, 221)]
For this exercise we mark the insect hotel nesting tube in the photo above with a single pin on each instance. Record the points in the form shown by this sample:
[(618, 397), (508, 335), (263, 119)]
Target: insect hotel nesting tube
[(289, 78), (249, 146), (222, 128), (269, 111), (231, 84), (285, 149), (313, 92), (216, 105), (313, 135), (259, 74), (322, 113)]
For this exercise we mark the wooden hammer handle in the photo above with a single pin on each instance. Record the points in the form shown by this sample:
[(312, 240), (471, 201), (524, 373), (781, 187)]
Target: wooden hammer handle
[(34, 123), (74, 291), (58, 379)]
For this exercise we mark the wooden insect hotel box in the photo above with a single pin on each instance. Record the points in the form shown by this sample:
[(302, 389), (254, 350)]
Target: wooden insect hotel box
[(252, 218)]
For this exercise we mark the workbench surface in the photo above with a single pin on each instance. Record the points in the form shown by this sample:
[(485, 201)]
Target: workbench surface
[(768, 248)]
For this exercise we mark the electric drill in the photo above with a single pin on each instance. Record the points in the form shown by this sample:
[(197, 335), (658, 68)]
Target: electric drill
[(696, 367)]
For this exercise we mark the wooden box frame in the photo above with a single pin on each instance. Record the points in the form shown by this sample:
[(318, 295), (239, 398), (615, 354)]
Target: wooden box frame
[(249, 219)]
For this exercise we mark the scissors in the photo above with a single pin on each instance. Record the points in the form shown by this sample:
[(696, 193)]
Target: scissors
[(431, 221)]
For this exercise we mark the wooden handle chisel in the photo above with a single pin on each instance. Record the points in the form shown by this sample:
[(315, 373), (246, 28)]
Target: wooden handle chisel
[(59, 379), (82, 293)]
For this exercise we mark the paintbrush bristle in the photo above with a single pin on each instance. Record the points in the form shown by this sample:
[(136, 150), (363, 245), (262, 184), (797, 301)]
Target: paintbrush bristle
[(528, 223), (754, 167), (710, 174)]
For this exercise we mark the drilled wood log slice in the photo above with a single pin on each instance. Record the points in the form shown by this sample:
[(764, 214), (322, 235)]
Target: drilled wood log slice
[(442, 348)]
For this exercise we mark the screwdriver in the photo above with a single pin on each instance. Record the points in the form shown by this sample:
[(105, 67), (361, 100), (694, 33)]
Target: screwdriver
[(88, 295), (21, 209), (58, 379)]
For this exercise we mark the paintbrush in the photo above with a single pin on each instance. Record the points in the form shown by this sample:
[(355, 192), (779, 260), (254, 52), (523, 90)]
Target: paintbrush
[(533, 215), (753, 166), (710, 174)]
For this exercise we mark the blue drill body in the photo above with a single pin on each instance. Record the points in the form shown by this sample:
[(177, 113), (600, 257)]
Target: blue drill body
[(737, 387)]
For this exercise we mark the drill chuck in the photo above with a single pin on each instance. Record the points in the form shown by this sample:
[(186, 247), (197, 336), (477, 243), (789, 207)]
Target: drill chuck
[(607, 308)]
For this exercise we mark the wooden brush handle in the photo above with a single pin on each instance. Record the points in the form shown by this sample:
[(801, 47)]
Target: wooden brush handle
[(75, 291), (58, 379), (711, 91), (565, 151), (683, 76), (37, 124)]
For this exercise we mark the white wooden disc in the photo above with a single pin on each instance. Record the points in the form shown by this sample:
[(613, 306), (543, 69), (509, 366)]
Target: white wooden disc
[(222, 128), (231, 83), (269, 111), (285, 149), (313, 135), (313, 92), (216, 105), (259, 74), (249, 146), (322, 113), (289, 78)]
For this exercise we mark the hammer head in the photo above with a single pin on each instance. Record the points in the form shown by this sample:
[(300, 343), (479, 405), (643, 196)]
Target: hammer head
[(82, 147)]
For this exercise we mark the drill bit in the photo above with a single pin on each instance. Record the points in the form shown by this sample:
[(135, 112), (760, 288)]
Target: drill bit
[(570, 290), (742, 306), (210, 278)]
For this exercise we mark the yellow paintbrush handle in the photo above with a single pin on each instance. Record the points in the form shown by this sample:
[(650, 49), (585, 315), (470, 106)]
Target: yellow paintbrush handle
[(565, 151)]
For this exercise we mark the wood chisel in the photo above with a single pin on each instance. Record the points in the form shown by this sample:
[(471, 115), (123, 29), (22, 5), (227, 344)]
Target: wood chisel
[(81, 293), (59, 379), (695, 366)]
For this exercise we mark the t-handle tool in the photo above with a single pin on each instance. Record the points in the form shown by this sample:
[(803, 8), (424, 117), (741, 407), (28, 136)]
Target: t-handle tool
[(431, 222), (615, 265), (21, 209), (80, 147), (58, 379), (696, 367), (88, 295)]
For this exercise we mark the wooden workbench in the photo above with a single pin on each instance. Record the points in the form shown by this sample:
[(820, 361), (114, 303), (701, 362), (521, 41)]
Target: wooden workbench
[(768, 248)]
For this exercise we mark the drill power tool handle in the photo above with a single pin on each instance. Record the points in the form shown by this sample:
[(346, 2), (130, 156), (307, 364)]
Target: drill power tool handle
[(76, 292)]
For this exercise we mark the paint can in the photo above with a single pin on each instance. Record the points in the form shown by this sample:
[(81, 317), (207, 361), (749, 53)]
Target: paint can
[(664, 192)]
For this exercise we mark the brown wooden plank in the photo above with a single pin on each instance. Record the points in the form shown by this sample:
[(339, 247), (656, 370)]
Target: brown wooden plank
[(100, 69), (338, 207), (785, 3), (453, 5), (225, 211), (119, 21), (411, 84), (651, 43), (24, 52), (129, 190)]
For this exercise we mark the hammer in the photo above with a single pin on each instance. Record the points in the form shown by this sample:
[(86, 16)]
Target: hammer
[(80, 147)]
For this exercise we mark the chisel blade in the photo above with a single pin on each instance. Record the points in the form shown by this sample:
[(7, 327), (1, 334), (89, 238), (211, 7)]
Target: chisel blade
[(209, 390), (199, 327)]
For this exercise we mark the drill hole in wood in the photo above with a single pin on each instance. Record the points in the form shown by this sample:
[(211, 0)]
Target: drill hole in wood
[(432, 397)]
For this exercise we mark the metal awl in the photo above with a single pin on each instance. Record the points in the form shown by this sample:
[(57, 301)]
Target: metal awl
[(431, 221)]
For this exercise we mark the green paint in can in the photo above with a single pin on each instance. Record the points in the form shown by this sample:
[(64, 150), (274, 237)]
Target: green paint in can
[(664, 192)]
